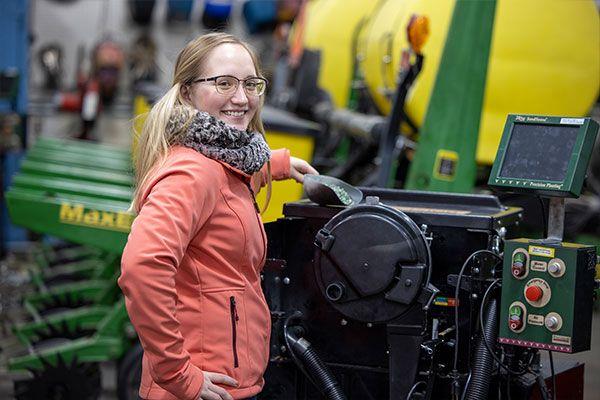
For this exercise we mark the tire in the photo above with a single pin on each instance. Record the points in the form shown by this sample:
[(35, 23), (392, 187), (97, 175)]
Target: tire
[(62, 380), (129, 373)]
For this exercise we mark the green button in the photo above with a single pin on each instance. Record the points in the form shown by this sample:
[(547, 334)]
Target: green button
[(519, 257)]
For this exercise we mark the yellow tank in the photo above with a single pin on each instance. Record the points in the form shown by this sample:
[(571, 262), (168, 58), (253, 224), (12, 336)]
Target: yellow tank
[(384, 38), (283, 129), (333, 37), (544, 57)]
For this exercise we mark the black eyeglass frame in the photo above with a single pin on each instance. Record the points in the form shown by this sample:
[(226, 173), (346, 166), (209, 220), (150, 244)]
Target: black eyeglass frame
[(214, 79)]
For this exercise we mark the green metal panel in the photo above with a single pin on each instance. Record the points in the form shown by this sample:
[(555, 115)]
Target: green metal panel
[(103, 224), (55, 186), (57, 170), (88, 151), (80, 144), (569, 295), (579, 157), (445, 158), (81, 160)]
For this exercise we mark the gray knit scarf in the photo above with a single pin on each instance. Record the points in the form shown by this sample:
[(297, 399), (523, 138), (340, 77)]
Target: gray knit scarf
[(243, 150)]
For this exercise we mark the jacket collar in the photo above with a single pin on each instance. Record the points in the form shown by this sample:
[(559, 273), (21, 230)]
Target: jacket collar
[(244, 176)]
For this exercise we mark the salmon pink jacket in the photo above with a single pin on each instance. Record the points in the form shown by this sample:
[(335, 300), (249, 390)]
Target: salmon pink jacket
[(190, 274)]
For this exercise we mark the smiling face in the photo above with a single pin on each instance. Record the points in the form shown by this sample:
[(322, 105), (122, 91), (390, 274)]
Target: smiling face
[(235, 109)]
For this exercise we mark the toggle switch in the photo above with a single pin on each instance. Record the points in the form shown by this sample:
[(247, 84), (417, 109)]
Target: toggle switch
[(519, 264), (516, 317)]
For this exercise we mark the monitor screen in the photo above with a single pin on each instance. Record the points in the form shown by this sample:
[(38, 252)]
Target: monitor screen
[(539, 152)]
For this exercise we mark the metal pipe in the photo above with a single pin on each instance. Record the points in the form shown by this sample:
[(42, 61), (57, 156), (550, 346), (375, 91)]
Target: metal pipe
[(556, 219)]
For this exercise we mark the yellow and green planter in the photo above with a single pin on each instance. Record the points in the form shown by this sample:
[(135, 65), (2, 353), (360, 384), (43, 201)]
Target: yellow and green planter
[(543, 60)]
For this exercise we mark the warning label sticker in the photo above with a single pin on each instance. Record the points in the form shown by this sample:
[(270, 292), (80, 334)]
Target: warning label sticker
[(541, 251), (572, 121), (539, 266), (534, 319), (559, 339)]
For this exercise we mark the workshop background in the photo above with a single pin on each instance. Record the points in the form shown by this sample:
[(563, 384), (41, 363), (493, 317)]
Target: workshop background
[(87, 71)]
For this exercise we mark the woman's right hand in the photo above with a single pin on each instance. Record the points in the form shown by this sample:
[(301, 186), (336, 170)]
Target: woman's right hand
[(210, 391)]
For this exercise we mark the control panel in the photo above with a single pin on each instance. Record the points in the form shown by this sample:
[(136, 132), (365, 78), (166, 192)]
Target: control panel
[(547, 295)]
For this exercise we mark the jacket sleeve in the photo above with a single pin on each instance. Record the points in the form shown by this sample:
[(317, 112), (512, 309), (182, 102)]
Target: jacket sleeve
[(280, 169), (175, 205)]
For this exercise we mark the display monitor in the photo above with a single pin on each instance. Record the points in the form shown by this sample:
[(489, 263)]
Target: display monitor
[(543, 155)]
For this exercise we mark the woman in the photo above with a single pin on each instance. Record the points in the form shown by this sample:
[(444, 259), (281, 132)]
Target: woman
[(191, 268)]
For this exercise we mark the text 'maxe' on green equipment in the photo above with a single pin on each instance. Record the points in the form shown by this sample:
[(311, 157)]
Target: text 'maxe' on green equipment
[(547, 284)]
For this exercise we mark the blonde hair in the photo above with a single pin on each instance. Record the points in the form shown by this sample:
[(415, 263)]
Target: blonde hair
[(154, 140)]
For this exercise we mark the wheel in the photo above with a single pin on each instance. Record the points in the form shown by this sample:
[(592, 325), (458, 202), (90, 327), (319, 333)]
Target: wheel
[(60, 380), (129, 373)]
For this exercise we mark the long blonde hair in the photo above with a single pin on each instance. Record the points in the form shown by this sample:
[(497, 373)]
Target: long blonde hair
[(154, 140)]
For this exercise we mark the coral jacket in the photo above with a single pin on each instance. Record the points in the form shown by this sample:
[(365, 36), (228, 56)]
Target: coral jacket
[(190, 274)]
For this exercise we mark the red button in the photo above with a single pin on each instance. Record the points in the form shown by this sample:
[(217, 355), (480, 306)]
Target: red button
[(518, 271), (515, 322), (534, 293)]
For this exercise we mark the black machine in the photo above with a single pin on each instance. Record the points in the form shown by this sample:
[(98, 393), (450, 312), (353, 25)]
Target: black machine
[(397, 297)]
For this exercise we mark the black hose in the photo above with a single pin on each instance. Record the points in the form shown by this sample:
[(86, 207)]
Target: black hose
[(312, 365), (414, 388), (483, 362), (456, 296), (553, 375)]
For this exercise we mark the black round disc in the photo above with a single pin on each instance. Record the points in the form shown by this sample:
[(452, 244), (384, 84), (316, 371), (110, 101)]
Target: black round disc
[(361, 256)]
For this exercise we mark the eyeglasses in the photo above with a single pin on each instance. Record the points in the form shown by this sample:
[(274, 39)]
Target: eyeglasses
[(228, 85)]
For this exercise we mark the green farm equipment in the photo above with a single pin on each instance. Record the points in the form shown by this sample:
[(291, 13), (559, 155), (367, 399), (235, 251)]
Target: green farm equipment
[(78, 192), (80, 201)]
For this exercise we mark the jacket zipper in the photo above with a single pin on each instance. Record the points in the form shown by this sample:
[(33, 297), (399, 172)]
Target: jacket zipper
[(234, 319), (257, 208), (253, 198)]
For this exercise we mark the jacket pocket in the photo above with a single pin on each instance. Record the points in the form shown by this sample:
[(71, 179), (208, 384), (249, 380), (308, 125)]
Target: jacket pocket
[(234, 321), (225, 334)]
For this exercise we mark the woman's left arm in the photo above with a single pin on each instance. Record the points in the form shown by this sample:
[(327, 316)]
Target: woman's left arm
[(283, 166)]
